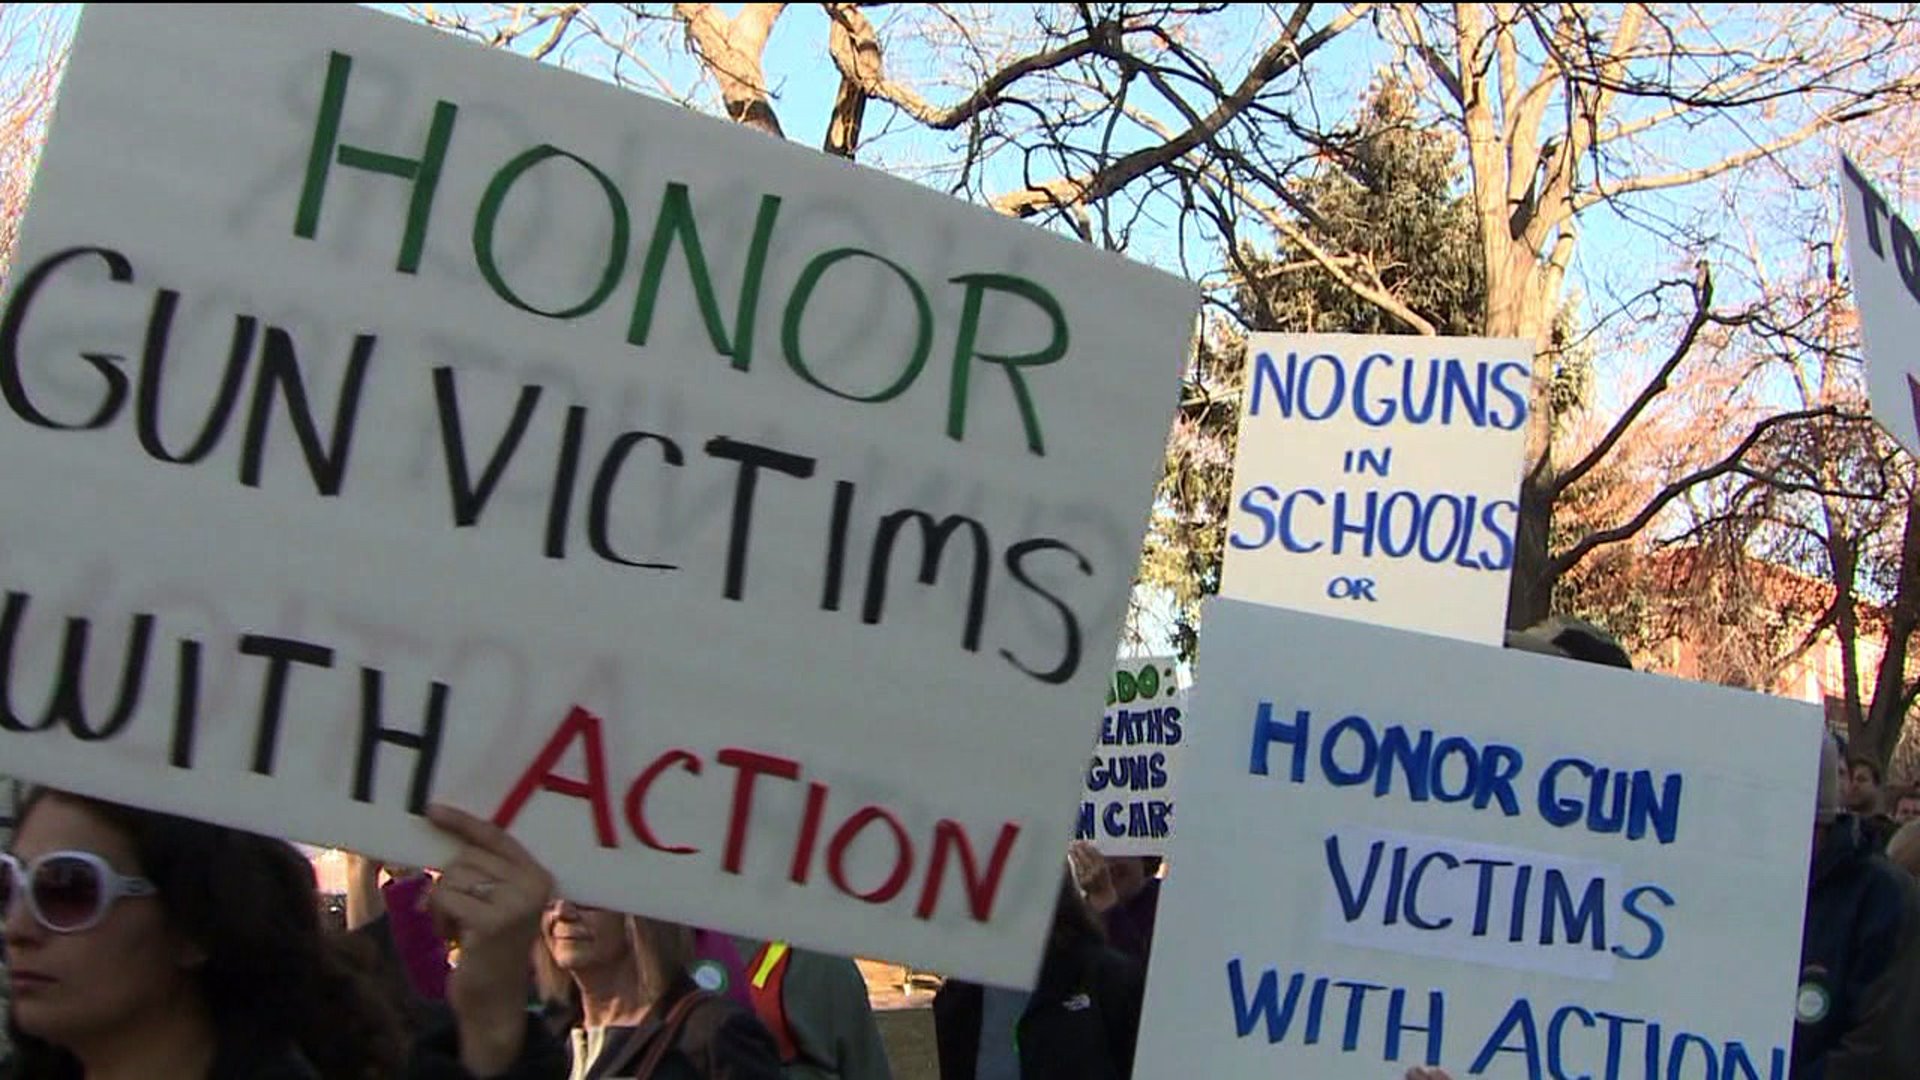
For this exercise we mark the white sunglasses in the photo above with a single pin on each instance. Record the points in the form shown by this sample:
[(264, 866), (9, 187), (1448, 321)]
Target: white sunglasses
[(67, 891)]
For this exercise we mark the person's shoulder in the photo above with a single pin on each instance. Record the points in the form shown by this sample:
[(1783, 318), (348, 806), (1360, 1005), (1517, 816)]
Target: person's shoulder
[(825, 973), (721, 1030), (1884, 876), (1881, 894), (717, 1017)]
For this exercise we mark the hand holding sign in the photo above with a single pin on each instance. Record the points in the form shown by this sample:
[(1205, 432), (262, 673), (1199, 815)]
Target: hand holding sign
[(1095, 878), (489, 900), (559, 396)]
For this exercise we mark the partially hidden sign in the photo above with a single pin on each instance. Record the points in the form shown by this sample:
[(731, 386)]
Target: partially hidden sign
[(1377, 479), (389, 419), (1418, 851), (1128, 807), (1884, 255)]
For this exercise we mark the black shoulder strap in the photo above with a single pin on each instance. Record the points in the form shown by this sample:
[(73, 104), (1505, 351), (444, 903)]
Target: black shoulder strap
[(656, 1047)]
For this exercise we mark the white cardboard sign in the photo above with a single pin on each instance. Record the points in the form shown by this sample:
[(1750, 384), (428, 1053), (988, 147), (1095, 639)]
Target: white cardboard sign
[(1884, 255), (408, 420), (1129, 806), (1418, 851), (1377, 476)]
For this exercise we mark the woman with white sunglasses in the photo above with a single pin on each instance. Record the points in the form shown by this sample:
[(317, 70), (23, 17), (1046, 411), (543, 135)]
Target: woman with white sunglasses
[(143, 945)]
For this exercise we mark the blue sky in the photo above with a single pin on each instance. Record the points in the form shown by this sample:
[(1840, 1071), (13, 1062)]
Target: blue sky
[(1613, 256)]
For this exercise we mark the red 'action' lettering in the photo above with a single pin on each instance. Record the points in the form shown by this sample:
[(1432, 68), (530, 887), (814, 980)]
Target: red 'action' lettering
[(579, 724), (950, 841)]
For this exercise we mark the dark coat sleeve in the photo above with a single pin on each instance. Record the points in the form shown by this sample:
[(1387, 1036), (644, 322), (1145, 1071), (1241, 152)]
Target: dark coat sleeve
[(436, 1052), (1123, 990), (1882, 1041), (731, 1044)]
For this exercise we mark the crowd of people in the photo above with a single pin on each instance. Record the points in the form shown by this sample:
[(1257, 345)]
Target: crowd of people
[(139, 944)]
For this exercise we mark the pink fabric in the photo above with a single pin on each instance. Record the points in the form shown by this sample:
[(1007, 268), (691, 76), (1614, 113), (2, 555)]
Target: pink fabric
[(421, 951)]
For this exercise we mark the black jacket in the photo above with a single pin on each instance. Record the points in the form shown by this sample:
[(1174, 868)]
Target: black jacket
[(1080, 1024), (436, 1050), (1858, 1007), (289, 1065), (720, 1040), (435, 1056)]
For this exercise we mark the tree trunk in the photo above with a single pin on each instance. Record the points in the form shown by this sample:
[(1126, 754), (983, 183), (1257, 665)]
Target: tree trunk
[(731, 49), (1530, 594), (1888, 714), (855, 49), (1516, 308), (1846, 628)]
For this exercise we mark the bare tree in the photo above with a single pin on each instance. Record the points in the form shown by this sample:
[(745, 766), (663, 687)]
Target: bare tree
[(1835, 500), (33, 45), (33, 41), (1568, 107), (1083, 104)]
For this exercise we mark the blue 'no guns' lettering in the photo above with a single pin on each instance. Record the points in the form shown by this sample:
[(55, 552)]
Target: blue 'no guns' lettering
[(1382, 389)]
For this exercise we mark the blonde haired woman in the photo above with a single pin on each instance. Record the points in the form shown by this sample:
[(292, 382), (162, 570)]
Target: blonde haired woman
[(622, 982)]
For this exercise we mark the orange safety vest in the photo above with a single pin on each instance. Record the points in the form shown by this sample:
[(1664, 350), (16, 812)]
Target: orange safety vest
[(766, 985)]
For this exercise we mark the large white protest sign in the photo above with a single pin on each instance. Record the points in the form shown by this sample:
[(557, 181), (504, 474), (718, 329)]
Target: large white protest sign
[(1128, 807), (1885, 257), (399, 420), (1418, 851), (1377, 479)]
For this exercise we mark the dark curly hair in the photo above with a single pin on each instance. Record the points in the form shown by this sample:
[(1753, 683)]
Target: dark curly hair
[(274, 982)]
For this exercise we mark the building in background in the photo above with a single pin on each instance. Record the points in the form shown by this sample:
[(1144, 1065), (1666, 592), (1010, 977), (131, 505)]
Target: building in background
[(1766, 627)]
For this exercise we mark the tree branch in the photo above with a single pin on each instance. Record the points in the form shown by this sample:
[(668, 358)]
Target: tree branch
[(1568, 559), (563, 19), (1335, 266), (1555, 202), (1827, 619), (1702, 314), (731, 49), (855, 49), (868, 71), (1282, 56), (1781, 483), (1631, 185), (1436, 63)]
